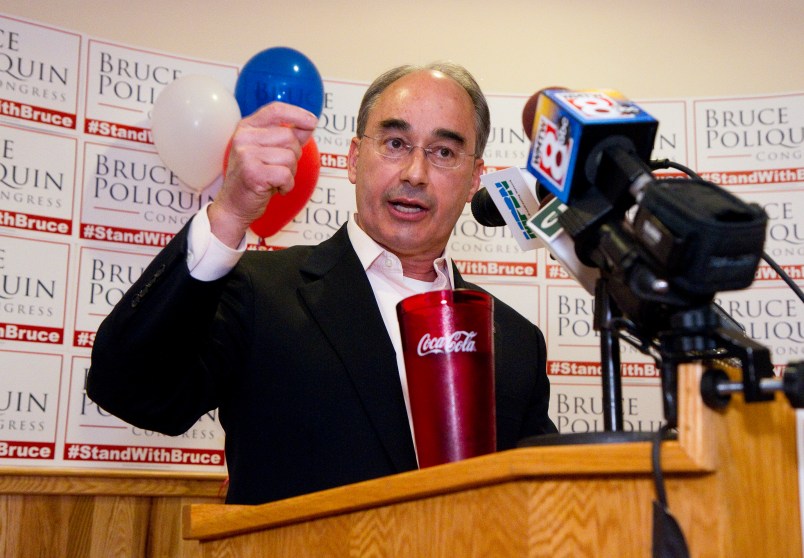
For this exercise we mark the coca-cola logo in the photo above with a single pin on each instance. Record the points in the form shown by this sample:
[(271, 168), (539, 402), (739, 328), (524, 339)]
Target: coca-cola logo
[(457, 342)]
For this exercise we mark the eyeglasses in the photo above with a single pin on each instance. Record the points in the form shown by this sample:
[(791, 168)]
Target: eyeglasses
[(440, 155)]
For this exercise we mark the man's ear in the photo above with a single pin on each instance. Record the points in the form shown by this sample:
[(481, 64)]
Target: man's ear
[(476, 172), (351, 162)]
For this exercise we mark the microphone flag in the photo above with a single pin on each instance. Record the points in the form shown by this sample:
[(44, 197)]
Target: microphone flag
[(569, 125), (546, 226), (513, 192)]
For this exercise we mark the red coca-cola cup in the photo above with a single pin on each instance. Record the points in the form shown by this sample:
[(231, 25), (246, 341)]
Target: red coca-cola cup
[(448, 344)]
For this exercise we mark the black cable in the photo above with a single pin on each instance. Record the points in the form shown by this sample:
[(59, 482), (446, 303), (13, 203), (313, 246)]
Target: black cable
[(667, 538), (785, 277), (658, 476), (668, 164)]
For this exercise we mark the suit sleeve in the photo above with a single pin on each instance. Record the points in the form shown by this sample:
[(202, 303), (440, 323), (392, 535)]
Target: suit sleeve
[(155, 360)]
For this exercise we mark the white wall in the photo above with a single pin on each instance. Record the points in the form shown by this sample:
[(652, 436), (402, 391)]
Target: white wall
[(648, 49)]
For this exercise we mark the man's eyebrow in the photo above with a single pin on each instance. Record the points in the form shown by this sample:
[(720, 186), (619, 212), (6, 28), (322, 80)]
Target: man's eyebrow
[(404, 126), (451, 135), (395, 124)]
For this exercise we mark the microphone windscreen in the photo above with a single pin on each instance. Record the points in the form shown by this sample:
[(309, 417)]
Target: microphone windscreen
[(529, 111), (485, 211)]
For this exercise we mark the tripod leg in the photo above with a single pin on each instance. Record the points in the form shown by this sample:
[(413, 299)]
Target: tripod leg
[(609, 360)]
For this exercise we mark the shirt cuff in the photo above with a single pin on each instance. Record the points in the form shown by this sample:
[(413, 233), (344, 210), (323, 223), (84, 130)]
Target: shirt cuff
[(207, 257)]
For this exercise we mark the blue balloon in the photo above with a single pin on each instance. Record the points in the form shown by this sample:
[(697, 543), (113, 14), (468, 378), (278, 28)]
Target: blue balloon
[(279, 74)]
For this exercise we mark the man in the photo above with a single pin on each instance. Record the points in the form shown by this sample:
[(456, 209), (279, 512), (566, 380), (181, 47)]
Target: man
[(300, 349)]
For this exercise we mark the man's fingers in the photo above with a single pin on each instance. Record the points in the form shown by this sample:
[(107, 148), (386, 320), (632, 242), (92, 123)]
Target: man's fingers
[(263, 159), (282, 114), (266, 136)]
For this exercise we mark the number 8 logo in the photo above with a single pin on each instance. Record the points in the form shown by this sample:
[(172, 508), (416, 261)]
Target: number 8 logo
[(553, 157), (593, 105)]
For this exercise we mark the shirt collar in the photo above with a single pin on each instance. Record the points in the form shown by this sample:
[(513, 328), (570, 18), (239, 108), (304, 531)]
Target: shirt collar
[(368, 250)]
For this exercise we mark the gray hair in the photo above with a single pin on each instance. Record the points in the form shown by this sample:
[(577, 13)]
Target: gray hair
[(454, 71)]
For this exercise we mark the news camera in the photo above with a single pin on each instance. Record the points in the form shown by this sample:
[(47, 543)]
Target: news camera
[(664, 248)]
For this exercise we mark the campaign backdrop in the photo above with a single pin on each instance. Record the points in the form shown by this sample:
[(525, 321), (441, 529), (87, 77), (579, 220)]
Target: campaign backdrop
[(86, 202)]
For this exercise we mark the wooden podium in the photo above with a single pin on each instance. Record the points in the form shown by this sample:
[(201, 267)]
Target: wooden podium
[(731, 478)]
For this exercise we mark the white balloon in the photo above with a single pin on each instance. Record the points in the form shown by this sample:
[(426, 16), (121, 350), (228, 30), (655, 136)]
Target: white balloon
[(192, 121)]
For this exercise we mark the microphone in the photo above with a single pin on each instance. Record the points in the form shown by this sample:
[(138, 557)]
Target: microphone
[(571, 131), (508, 198), (485, 211), (529, 110), (529, 113)]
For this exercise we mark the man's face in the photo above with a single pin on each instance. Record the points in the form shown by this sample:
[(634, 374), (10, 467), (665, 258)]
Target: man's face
[(409, 205)]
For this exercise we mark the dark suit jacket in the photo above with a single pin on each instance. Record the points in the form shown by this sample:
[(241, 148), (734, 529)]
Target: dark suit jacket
[(291, 347)]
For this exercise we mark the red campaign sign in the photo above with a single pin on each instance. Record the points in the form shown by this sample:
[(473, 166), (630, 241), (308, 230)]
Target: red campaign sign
[(755, 177), (498, 269), (627, 369), (26, 222), (142, 454), (85, 93), (734, 137), (123, 83), (556, 271), (103, 278), (334, 161), (12, 449), (31, 333), (36, 192), (33, 290), (125, 236), (84, 339), (42, 68), (766, 273), (112, 130), (36, 114)]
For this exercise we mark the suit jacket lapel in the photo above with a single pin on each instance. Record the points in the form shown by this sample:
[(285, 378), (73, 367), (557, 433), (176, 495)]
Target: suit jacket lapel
[(340, 299), (460, 283)]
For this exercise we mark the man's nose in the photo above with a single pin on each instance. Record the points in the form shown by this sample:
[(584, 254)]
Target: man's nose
[(416, 166)]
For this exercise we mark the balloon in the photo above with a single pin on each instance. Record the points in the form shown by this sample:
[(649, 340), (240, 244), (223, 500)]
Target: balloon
[(281, 209), (279, 74), (193, 118)]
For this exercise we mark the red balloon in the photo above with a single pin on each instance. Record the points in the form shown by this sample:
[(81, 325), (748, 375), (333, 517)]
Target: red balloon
[(281, 209)]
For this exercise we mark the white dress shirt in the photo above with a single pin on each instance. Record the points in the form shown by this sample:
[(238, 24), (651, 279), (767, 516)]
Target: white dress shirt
[(384, 271)]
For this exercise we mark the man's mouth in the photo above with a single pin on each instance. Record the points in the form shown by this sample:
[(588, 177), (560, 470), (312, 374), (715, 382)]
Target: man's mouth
[(407, 206)]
